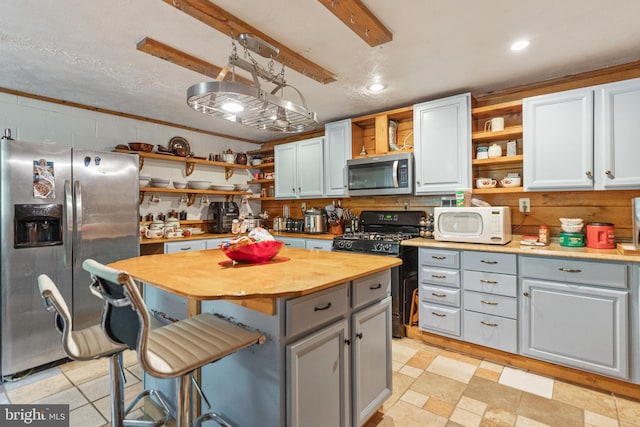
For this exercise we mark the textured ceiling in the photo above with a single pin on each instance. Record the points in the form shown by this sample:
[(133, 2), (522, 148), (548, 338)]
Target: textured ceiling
[(85, 51)]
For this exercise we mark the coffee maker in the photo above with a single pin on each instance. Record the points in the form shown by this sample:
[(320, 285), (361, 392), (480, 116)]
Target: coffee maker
[(221, 215)]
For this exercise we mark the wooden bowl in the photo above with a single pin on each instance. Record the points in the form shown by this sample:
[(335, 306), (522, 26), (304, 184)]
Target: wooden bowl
[(141, 146)]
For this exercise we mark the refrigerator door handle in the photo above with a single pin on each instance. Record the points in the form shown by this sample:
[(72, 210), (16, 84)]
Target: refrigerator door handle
[(77, 195), (68, 208)]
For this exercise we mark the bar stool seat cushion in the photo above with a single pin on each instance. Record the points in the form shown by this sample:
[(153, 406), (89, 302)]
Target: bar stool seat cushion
[(91, 343), (181, 347)]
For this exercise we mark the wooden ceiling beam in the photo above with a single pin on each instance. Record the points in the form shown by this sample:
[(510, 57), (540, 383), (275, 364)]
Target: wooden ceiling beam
[(164, 51), (223, 21), (360, 20)]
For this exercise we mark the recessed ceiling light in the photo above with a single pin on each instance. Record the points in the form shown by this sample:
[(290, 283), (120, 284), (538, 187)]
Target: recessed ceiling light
[(520, 45), (375, 87)]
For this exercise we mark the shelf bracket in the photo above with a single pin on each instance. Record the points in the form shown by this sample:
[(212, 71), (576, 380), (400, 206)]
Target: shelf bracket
[(141, 198), (228, 173), (140, 162), (188, 168), (192, 199)]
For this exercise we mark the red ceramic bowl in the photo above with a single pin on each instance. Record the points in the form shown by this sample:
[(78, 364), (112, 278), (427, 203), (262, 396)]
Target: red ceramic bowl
[(141, 146), (254, 252)]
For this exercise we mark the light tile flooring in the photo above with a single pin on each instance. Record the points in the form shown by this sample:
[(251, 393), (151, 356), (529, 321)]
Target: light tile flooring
[(432, 387)]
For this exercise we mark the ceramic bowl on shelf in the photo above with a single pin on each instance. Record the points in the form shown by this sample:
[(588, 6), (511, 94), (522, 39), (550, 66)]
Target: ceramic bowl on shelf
[(222, 187), (485, 183), (508, 182), (158, 182), (141, 146), (571, 221), (144, 181), (199, 185), (241, 187), (572, 228), (177, 184)]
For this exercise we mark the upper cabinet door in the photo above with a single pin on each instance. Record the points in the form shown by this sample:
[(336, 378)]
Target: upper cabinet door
[(310, 167), (337, 150), (285, 170), (617, 135), (558, 141), (442, 135)]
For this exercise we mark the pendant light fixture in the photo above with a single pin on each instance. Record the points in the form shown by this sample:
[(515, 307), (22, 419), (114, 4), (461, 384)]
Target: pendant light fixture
[(252, 105)]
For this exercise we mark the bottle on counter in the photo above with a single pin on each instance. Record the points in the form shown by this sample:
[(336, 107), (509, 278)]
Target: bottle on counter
[(543, 235)]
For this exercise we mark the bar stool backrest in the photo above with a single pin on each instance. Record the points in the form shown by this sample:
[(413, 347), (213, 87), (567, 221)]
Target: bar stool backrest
[(125, 317)]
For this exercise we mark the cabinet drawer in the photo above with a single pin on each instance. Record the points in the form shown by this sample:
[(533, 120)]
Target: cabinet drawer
[(371, 288), (491, 283), (491, 304), (291, 242), (440, 276), (491, 331), (570, 270), (439, 258), (318, 244), (307, 312), (438, 295), (186, 246), (441, 319), (489, 261)]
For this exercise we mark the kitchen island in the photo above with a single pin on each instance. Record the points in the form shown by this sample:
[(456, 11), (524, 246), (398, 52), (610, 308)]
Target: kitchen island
[(327, 320)]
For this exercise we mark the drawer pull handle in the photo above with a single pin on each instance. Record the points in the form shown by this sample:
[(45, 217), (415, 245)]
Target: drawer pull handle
[(359, 335), (438, 295), (373, 288), (488, 262), (570, 270), (488, 302), (490, 282), (493, 325), (438, 276), (186, 249), (326, 307), (438, 257), (438, 314)]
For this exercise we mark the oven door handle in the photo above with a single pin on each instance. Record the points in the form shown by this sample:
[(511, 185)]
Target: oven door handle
[(395, 174)]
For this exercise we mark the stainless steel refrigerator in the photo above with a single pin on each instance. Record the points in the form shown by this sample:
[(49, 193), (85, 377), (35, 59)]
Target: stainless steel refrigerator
[(60, 205)]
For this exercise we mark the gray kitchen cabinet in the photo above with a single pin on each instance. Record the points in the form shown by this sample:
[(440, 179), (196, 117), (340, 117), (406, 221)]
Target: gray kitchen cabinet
[(582, 139), (576, 313), (490, 316), (617, 108), (337, 150), (184, 246), (292, 242), (299, 169), (439, 291), (371, 359), (318, 378), (318, 244), (214, 243), (442, 144)]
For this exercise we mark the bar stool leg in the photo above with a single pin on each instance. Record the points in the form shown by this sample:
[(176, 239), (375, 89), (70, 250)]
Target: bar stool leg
[(117, 389), (183, 409)]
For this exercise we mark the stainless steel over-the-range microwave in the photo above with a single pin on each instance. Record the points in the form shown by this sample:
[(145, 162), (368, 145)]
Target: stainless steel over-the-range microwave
[(380, 175)]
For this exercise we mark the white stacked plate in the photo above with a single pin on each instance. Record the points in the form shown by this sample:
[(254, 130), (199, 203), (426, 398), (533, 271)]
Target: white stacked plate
[(158, 182), (144, 181), (222, 187), (199, 185)]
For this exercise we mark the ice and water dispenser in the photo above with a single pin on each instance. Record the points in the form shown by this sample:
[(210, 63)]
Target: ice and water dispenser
[(37, 225)]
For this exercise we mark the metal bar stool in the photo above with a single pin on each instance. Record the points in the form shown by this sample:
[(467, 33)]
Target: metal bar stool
[(89, 344), (171, 351)]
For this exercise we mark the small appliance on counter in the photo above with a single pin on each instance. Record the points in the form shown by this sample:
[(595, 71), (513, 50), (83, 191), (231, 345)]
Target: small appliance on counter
[(635, 220), (490, 225), (294, 225), (221, 216), (315, 221)]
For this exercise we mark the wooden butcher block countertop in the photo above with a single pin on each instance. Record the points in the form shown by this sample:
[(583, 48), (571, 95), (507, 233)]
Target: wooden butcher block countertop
[(209, 274)]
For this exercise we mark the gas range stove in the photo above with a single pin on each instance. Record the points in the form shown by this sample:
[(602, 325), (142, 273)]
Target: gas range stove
[(382, 232)]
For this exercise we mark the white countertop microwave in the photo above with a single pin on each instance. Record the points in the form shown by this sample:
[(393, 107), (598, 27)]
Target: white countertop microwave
[(489, 225)]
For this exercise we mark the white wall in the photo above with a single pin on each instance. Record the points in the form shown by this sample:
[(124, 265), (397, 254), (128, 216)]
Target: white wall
[(39, 121)]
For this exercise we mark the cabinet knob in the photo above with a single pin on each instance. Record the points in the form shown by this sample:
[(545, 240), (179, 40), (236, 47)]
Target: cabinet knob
[(526, 294), (588, 173), (359, 335), (608, 173), (347, 341)]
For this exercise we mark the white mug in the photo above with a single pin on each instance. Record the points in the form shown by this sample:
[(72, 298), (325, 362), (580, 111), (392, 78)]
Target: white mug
[(494, 125)]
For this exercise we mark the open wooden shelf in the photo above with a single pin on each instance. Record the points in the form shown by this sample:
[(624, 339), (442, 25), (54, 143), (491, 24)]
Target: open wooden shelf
[(488, 111), (372, 131), (497, 190), (503, 160), (508, 133)]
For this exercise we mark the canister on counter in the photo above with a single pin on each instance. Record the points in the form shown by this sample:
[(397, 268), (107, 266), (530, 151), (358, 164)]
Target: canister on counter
[(543, 235), (575, 240)]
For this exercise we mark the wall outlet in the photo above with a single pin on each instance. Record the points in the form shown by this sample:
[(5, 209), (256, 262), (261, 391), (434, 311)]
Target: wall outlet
[(525, 205), (303, 206)]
